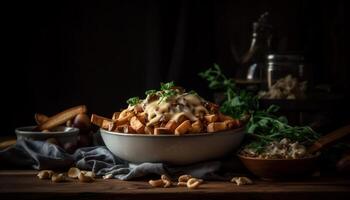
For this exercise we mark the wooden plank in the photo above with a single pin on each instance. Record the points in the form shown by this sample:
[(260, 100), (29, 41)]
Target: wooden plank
[(25, 185)]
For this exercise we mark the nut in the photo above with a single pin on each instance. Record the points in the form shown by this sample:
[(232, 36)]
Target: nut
[(107, 176), (166, 180), (73, 172), (85, 177), (45, 174), (156, 183), (89, 173), (184, 178), (241, 181), (167, 183), (193, 183), (58, 178)]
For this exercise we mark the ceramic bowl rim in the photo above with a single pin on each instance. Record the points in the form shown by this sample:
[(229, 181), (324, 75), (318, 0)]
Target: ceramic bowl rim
[(226, 132), (277, 159), (25, 130)]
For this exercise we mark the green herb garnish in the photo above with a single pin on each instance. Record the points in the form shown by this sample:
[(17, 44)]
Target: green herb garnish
[(167, 91), (167, 86), (263, 125), (150, 92), (133, 101), (266, 127), (237, 103)]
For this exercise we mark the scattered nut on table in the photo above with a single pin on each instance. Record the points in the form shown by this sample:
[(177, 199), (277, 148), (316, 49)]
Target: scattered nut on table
[(45, 174), (86, 177), (166, 180), (107, 176), (57, 178), (184, 178), (193, 183), (183, 181), (156, 183), (88, 173), (241, 181), (73, 172)]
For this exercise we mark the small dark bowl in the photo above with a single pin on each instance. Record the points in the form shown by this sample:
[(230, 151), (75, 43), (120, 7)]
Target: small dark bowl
[(279, 169), (61, 133)]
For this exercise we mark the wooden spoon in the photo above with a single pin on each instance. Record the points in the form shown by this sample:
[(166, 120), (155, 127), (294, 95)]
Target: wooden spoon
[(328, 139)]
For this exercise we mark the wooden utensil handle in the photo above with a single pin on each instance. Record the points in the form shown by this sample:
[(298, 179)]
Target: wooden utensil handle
[(7, 143), (61, 118), (329, 139)]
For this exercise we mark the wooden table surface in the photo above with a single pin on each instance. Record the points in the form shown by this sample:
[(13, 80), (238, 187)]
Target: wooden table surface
[(23, 184)]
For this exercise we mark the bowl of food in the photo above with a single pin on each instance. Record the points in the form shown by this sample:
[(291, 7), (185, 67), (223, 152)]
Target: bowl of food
[(172, 149), (170, 126), (280, 169), (61, 129), (280, 160), (288, 158)]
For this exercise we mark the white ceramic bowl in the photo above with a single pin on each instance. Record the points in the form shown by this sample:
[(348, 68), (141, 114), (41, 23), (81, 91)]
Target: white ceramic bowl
[(61, 133), (172, 149)]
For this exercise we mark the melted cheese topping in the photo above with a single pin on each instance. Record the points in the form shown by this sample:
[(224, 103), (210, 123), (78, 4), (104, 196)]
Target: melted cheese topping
[(189, 105)]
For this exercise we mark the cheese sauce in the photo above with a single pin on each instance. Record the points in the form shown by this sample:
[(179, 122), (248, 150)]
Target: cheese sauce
[(186, 104)]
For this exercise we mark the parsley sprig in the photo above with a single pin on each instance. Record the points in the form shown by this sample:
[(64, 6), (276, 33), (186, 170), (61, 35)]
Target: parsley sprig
[(167, 90), (237, 103), (133, 101), (150, 92), (265, 127)]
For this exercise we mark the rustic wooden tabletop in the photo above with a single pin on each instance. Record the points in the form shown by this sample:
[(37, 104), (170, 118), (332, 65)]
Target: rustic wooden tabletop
[(23, 184)]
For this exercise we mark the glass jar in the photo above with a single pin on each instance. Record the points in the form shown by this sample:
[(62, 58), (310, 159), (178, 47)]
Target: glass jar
[(282, 65)]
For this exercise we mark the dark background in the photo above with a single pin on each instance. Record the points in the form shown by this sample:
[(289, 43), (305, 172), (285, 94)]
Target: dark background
[(99, 53)]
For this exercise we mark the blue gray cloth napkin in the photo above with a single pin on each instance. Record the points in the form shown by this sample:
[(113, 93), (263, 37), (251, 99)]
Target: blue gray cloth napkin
[(41, 155)]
